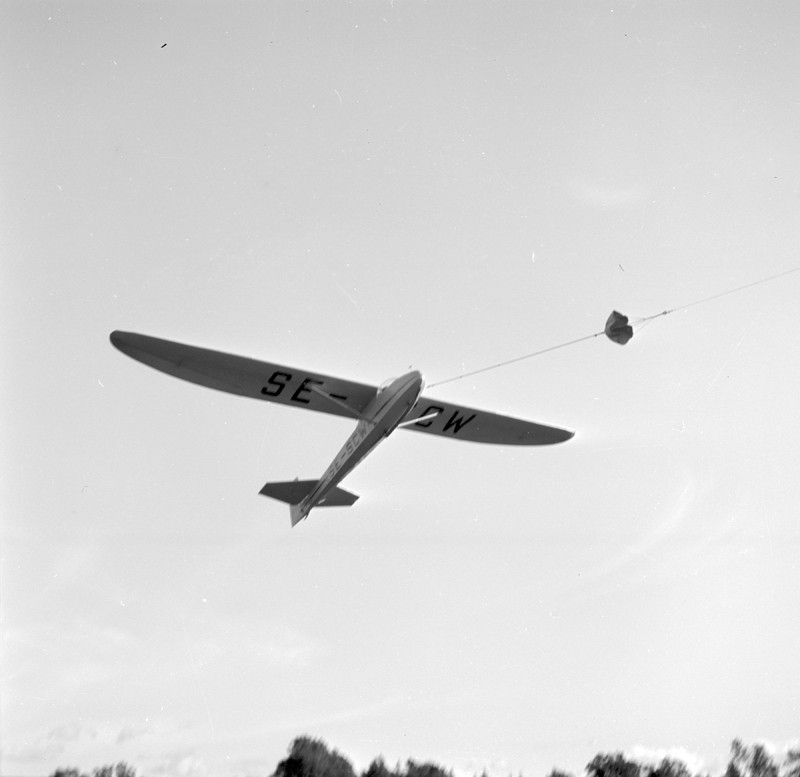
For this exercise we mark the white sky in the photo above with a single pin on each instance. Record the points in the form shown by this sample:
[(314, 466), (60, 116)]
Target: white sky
[(355, 188)]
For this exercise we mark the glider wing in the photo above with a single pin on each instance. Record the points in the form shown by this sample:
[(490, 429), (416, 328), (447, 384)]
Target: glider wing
[(313, 391), (248, 377), (466, 423)]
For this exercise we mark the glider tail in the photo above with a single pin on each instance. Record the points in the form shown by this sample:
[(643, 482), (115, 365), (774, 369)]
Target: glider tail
[(294, 493)]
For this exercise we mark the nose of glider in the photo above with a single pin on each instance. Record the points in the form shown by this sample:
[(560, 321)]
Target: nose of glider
[(417, 381)]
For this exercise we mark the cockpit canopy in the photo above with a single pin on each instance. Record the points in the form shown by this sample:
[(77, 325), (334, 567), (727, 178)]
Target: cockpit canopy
[(388, 382)]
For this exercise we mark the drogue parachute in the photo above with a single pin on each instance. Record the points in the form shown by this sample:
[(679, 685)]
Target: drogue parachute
[(618, 329)]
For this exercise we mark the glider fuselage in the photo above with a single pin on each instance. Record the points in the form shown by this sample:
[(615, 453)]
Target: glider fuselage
[(379, 419)]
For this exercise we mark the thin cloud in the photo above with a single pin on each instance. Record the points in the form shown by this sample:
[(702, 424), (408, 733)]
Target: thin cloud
[(344, 714), (48, 746), (181, 764), (654, 539), (273, 644), (129, 733)]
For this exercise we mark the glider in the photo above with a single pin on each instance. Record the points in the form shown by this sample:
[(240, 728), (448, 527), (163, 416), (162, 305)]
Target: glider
[(377, 410)]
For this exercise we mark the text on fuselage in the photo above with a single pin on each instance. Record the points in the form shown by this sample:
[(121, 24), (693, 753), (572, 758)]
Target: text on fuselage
[(353, 441)]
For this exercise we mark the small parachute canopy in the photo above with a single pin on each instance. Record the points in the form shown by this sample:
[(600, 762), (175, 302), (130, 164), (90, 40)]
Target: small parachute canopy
[(618, 329)]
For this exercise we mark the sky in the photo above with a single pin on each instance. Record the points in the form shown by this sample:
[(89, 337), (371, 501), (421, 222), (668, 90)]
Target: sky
[(357, 188)]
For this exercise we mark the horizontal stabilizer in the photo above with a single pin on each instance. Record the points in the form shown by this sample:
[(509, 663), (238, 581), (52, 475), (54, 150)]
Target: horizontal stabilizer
[(294, 491)]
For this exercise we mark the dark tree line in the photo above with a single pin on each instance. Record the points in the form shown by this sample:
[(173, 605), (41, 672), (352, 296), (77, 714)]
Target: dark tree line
[(120, 769), (310, 757), (755, 761), (744, 761), (616, 765)]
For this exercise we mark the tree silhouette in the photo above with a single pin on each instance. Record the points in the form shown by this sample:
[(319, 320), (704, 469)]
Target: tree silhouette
[(378, 768), (612, 765), (414, 769), (669, 767), (791, 765), (558, 773), (120, 769), (310, 757), (754, 761), (761, 763)]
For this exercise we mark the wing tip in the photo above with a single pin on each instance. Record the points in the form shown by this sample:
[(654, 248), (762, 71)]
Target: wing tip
[(116, 338), (553, 436), (123, 341)]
